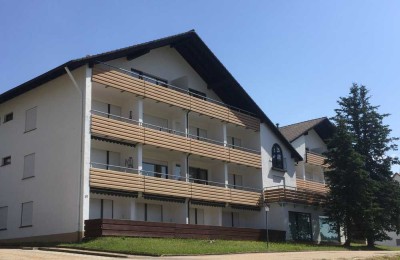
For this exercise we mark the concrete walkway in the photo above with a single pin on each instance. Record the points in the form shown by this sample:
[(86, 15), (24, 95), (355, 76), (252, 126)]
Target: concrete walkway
[(10, 254)]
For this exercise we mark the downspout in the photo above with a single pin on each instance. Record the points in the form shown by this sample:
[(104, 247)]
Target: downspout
[(80, 198), (187, 165)]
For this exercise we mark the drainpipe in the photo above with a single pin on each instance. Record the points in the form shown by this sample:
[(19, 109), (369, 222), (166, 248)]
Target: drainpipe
[(82, 147), (266, 213)]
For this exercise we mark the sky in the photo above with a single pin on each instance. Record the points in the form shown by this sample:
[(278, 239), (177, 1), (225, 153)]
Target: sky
[(294, 58)]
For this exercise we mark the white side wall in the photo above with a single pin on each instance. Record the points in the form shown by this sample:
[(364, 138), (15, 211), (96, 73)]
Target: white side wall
[(57, 146), (166, 63), (270, 176)]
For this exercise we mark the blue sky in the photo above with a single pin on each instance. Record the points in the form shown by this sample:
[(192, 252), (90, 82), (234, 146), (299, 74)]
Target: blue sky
[(295, 58)]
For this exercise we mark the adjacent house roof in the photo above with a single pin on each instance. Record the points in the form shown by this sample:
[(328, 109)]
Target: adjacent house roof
[(194, 51), (322, 126)]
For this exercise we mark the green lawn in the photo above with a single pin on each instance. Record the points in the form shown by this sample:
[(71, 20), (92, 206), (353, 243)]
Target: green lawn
[(163, 246)]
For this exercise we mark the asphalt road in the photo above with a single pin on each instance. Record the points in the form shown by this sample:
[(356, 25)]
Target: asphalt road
[(9, 254)]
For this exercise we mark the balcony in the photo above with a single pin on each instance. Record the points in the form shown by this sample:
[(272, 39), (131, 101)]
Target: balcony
[(129, 130), (306, 192), (148, 88), (128, 180), (315, 159), (312, 186)]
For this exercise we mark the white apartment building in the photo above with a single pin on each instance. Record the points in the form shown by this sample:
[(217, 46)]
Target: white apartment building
[(156, 139)]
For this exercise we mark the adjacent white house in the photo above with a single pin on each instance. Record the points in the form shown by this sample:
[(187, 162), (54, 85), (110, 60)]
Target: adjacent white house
[(299, 210), (147, 140)]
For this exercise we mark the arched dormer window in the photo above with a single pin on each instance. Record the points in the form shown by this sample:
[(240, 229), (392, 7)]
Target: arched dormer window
[(277, 157)]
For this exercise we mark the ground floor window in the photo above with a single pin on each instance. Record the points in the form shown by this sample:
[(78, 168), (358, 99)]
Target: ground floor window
[(300, 226), (327, 235), (230, 219), (196, 216), (101, 208)]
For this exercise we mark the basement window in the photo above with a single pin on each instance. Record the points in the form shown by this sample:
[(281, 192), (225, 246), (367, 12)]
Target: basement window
[(8, 117)]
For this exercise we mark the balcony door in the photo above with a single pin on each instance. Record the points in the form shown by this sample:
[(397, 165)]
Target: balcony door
[(235, 180), (300, 226), (155, 170), (198, 175)]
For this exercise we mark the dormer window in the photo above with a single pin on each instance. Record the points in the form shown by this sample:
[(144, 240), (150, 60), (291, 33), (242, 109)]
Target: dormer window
[(277, 157)]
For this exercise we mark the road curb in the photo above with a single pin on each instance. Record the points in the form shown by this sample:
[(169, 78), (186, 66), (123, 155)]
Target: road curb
[(82, 252)]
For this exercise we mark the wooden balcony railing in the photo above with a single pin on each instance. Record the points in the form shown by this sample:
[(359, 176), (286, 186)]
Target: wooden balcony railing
[(131, 228), (131, 182), (133, 132), (297, 195), (311, 186), (124, 81), (316, 159)]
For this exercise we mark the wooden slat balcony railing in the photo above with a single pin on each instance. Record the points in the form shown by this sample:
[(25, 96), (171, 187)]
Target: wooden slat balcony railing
[(311, 186), (133, 182), (316, 159), (294, 195), (131, 228), (132, 132), (123, 80)]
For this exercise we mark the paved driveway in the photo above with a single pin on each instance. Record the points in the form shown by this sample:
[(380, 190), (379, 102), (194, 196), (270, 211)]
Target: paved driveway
[(10, 254)]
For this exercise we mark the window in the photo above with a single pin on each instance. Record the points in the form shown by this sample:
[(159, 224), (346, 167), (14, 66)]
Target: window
[(8, 117), (153, 213), (230, 219), (3, 218), (198, 175), (235, 180), (6, 161), (234, 142), (151, 78), (30, 119), (101, 208), (327, 235), (196, 216), (198, 94), (197, 133), (277, 157), (300, 226), (26, 214), (29, 166), (155, 170)]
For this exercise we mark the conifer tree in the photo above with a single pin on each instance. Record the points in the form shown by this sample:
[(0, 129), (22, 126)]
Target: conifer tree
[(377, 196)]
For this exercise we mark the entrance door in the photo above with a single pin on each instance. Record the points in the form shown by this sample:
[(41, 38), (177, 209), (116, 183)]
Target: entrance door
[(300, 226)]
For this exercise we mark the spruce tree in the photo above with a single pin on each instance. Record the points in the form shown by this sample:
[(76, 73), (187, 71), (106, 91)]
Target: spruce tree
[(378, 207)]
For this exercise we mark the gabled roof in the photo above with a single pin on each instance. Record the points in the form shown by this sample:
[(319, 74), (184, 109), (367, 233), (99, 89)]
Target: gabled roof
[(322, 126), (194, 51)]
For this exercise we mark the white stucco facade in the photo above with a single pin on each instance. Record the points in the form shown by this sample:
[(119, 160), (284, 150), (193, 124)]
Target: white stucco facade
[(59, 196), (56, 144)]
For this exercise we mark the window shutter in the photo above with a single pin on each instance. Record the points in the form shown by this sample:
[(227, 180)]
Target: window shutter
[(3, 217), (29, 166), (26, 214), (30, 119)]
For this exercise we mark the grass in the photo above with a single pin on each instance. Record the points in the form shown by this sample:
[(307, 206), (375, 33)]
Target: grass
[(164, 246)]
